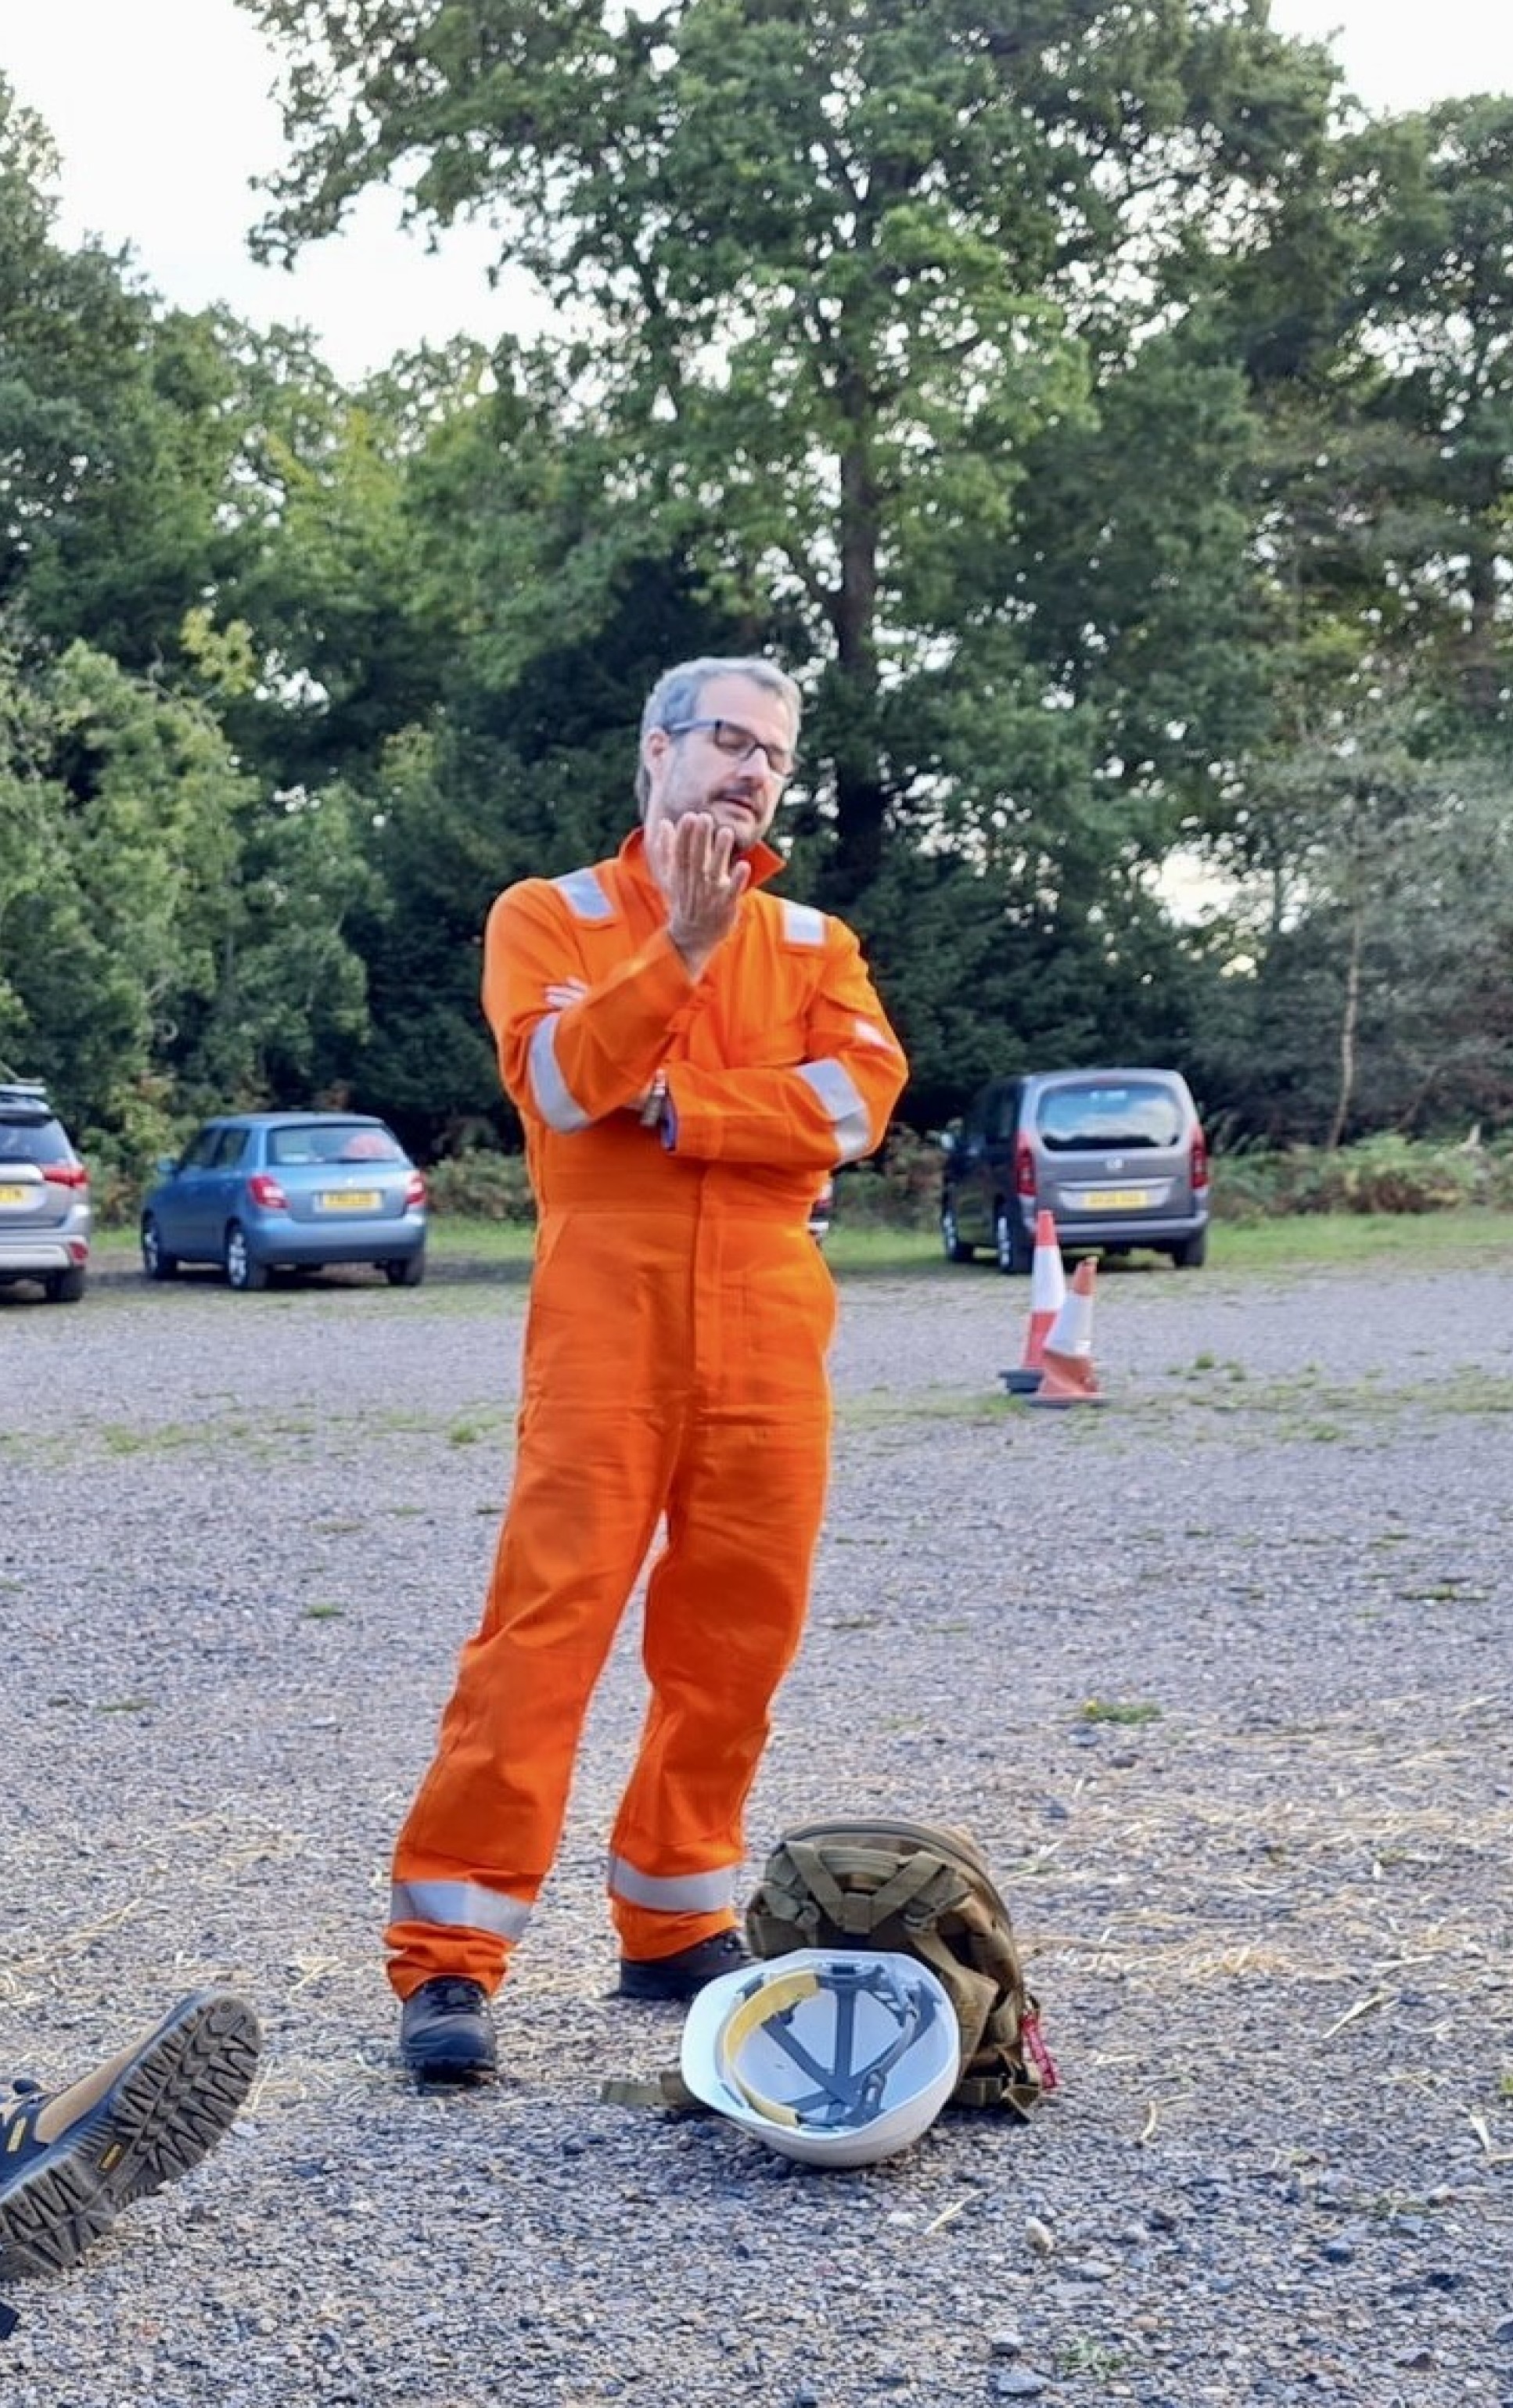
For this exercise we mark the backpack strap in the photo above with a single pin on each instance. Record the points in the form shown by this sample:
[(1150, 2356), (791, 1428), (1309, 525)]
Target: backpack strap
[(666, 2089), (1009, 2089), (920, 1888)]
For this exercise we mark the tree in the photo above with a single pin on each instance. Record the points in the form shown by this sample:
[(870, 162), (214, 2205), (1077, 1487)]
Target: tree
[(115, 441), (834, 275), (1372, 932), (173, 936)]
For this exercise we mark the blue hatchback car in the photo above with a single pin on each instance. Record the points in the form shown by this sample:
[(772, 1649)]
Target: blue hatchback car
[(259, 1192)]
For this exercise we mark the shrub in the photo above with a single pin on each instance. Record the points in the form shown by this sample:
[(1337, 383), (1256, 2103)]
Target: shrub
[(481, 1186), (897, 1189), (1381, 1174)]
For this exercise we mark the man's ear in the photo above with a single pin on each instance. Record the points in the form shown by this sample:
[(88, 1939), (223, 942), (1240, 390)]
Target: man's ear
[(655, 746)]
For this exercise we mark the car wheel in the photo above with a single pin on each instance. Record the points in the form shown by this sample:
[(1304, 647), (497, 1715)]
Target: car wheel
[(1011, 1243), (65, 1287), (244, 1271), (955, 1248), (157, 1263), (1192, 1252), (408, 1272)]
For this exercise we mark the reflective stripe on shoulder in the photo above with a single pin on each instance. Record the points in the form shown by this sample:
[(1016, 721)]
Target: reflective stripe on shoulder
[(680, 1894), (803, 925), (583, 894), (554, 1099), (459, 1904), (836, 1090)]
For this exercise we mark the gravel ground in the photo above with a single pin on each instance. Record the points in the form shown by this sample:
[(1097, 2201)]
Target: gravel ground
[(1219, 1676)]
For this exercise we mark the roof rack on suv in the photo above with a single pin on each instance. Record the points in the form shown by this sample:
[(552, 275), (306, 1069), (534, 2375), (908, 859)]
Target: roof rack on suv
[(24, 1091)]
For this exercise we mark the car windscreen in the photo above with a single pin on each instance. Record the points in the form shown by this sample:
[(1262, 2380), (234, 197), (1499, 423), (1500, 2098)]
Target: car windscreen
[(1138, 1113), (334, 1141)]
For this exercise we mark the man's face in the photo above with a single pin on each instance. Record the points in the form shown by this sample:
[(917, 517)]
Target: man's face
[(702, 770)]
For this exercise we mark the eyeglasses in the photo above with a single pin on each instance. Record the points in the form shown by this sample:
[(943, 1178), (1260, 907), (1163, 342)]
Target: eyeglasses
[(730, 736)]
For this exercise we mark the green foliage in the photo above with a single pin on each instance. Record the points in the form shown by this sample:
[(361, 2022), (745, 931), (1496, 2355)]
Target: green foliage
[(114, 436), (1111, 434), (481, 1186), (866, 285), (899, 1189), (1383, 1174)]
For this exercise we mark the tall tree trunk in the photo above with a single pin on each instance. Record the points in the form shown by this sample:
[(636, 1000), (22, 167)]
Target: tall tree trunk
[(861, 791), (1483, 670), (1350, 1029)]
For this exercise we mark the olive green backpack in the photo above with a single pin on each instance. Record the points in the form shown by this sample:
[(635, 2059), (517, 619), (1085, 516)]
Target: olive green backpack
[(920, 1889)]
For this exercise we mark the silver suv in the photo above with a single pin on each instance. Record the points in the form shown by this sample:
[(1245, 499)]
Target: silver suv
[(1118, 1156), (45, 1216)]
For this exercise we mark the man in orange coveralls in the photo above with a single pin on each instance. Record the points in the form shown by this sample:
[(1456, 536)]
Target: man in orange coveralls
[(691, 1057)]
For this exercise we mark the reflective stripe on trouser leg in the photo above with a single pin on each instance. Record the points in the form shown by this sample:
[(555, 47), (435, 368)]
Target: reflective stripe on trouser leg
[(453, 1927), (675, 1893)]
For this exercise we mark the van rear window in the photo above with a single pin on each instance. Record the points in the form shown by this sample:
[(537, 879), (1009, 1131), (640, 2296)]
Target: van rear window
[(1073, 1119)]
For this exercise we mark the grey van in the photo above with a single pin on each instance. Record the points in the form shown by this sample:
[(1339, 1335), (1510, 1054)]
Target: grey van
[(1118, 1156)]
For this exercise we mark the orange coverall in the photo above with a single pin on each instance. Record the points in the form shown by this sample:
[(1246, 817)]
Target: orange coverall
[(674, 1363)]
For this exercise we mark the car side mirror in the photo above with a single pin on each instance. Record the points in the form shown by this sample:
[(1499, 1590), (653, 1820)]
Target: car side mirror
[(166, 1165)]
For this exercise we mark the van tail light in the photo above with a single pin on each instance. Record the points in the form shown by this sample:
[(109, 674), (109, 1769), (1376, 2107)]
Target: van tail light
[(1023, 1166), (66, 1174), (414, 1191), (1198, 1163), (265, 1191)]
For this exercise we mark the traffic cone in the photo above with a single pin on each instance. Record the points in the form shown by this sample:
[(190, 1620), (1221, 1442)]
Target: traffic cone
[(1067, 1376), (1048, 1294)]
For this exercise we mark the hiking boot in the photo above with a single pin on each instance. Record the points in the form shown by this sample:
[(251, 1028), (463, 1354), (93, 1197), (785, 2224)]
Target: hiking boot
[(445, 2034), (684, 1975), (71, 2159)]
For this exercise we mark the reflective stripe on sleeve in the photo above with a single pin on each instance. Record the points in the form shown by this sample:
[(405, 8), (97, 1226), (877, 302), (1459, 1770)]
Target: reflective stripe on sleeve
[(458, 1902), (682, 1894), (803, 925), (842, 1100), (554, 1100), (583, 894)]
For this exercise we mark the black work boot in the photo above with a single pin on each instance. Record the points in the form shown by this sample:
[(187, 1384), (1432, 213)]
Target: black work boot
[(445, 2034), (71, 2159), (685, 1973)]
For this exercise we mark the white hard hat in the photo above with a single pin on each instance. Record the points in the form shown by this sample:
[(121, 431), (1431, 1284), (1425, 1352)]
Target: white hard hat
[(836, 2057)]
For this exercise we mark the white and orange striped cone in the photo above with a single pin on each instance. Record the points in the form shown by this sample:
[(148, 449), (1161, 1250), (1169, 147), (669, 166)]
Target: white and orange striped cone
[(1066, 1374), (1048, 1294)]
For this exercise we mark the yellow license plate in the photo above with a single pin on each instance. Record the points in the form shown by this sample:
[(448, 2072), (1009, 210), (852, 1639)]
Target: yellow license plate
[(13, 1195), (349, 1199), (1116, 1199)]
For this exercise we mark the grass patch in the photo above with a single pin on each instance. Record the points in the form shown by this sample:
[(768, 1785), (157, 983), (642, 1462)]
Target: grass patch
[(1104, 1710), (880, 1411), (1468, 1234), (1097, 2359), (1325, 1410), (121, 1438), (468, 1433), (1424, 1239)]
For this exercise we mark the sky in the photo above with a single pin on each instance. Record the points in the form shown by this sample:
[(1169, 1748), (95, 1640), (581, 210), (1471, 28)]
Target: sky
[(163, 112)]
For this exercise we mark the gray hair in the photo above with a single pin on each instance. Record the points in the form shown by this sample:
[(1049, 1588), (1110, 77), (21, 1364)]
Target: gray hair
[(678, 693)]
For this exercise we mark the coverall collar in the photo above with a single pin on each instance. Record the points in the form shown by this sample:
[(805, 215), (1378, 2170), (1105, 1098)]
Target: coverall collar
[(765, 862)]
